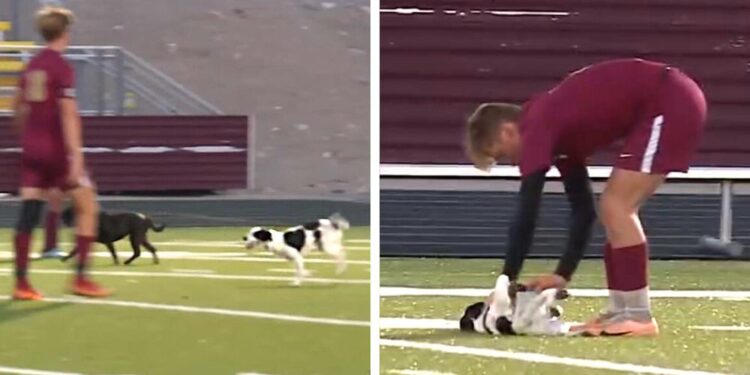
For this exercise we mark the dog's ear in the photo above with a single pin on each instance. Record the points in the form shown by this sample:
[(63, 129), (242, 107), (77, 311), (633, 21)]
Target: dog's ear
[(504, 326), (262, 235), (562, 294)]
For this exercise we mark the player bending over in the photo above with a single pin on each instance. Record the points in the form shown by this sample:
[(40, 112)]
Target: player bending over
[(658, 113), (46, 114)]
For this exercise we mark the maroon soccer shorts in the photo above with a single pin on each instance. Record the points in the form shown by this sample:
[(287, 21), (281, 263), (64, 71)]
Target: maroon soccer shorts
[(667, 134), (48, 175)]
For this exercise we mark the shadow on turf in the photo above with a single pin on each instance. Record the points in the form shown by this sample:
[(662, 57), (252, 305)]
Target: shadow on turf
[(8, 314)]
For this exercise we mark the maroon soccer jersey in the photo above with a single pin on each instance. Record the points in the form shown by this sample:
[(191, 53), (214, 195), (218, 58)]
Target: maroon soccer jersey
[(648, 104), (46, 79)]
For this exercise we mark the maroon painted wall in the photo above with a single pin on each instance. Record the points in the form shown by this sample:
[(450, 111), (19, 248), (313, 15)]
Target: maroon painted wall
[(436, 67), (154, 153)]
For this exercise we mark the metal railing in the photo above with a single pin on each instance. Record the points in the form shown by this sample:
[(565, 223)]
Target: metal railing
[(726, 176), (113, 81)]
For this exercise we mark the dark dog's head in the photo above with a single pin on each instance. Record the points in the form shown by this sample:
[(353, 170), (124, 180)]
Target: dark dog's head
[(68, 216), (471, 314), (470, 321), (256, 236)]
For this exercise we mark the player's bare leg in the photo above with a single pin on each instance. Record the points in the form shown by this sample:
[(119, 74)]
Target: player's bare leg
[(626, 255), (55, 198), (86, 214), (31, 210)]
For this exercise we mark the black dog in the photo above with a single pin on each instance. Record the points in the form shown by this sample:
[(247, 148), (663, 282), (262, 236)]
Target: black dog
[(114, 227)]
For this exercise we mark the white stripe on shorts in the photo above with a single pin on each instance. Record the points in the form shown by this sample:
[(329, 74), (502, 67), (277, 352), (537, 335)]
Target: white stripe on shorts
[(653, 144)]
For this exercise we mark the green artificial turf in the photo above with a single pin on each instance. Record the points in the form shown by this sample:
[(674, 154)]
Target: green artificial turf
[(104, 339)]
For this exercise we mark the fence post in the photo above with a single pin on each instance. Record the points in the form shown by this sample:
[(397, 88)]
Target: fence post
[(725, 230), (15, 20), (251, 125), (120, 90)]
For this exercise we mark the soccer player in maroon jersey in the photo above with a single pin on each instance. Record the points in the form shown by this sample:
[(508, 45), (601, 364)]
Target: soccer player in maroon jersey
[(657, 112), (46, 114)]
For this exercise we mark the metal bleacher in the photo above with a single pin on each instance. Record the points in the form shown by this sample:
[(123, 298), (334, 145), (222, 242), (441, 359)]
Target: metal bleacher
[(440, 221), (110, 79)]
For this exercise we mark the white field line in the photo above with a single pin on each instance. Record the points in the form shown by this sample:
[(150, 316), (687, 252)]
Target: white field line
[(285, 270), (358, 241), (206, 310), (722, 328), (225, 256), (410, 323), (7, 272), (185, 270), (735, 295), (233, 244), (26, 371), (418, 372), (541, 358)]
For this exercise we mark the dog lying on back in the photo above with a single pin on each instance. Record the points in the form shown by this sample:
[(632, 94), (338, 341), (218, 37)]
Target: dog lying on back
[(512, 310), (326, 235), (114, 227)]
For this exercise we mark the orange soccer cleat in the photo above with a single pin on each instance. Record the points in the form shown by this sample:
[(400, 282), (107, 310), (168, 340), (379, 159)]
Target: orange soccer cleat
[(26, 293), (87, 288), (627, 327)]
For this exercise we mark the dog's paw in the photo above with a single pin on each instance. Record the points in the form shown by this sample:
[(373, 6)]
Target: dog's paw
[(340, 268), (296, 282)]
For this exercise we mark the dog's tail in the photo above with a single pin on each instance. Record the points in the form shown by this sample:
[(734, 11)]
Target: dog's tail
[(156, 228), (338, 221)]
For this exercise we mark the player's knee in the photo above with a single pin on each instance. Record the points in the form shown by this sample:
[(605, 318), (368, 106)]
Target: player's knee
[(31, 212), (612, 211), (88, 209)]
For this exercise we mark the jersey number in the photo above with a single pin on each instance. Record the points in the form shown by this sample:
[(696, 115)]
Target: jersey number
[(36, 86)]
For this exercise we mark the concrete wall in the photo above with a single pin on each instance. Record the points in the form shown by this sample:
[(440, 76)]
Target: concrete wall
[(444, 58), (158, 153)]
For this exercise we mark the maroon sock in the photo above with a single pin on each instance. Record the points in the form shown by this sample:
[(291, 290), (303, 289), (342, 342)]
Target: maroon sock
[(629, 268), (21, 242), (50, 230), (83, 246)]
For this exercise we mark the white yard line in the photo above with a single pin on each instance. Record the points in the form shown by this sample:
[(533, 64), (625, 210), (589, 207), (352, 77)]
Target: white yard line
[(357, 241), (26, 371), (541, 358), (223, 256), (722, 328), (411, 323), (232, 244), (206, 310), (7, 272), (185, 270), (267, 260), (285, 270), (418, 372), (736, 295)]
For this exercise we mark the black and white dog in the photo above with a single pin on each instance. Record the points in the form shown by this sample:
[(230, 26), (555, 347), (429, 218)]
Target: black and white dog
[(114, 227), (326, 235), (511, 310)]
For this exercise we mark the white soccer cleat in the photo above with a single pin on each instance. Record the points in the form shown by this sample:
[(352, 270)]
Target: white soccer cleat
[(53, 253)]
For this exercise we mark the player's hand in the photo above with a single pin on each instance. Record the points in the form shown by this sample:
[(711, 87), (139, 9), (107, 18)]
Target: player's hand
[(547, 282)]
